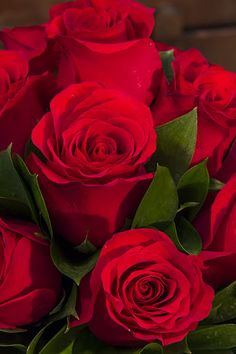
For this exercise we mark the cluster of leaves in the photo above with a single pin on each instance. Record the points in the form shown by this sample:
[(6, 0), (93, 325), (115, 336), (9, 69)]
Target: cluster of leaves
[(172, 201)]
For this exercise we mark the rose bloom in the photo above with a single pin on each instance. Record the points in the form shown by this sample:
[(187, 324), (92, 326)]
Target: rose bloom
[(143, 289), (95, 142), (216, 225), (30, 285), (106, 41), (23, 100), (212, 90)]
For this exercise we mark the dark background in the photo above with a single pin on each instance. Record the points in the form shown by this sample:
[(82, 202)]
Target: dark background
[(209, 25)]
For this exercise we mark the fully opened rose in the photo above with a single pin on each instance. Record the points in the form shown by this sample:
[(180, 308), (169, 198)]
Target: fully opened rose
[(30, 285), (95, 142), (142, 290)]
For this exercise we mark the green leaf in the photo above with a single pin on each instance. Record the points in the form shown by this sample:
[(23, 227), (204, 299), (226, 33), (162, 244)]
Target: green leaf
[(176, 142), (167, 58), (70, 262), (187, 240), (193, 186), (187, 205), (64, 311), (188, 236), (152, 348), (62, 342), (219, 337), (86, 247), (224, 306), (14, 199), (160, 203), (215, 185), (38, 206), (178, 348)]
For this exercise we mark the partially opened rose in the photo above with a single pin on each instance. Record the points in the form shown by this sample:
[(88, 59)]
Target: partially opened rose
[(143, 290), (212, 90), (23, 100), (96, 142), (106, 41), (30, 285), (216, 225)]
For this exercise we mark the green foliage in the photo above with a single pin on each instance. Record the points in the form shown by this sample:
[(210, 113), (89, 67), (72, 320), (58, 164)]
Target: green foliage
[(160, 203), (176, 141), (167, 58)]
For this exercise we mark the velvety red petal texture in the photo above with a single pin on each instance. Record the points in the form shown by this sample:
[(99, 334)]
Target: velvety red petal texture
[(23, 99), (21, 114), (34, 44), (216, 225), (106, 41), (213, 91), (96, 142), (134, 68), (143, 289), (30, 285)]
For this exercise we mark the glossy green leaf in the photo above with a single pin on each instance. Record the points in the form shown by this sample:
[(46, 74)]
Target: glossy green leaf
[(219, 337), (39, 209), (167, 58), (215, 185), (70, 262), (188, 236), (86, 247), (14, 199), (186, 241), (160, 203), (62, 342), (176, 142), (152, 348), (193, 186), (224, 306)]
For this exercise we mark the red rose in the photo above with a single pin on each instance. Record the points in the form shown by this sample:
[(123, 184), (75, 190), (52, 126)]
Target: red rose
[(216, 225), (23, 100), (30, 285), (105, 41), (213, 91), (96, 142), (142, 290)]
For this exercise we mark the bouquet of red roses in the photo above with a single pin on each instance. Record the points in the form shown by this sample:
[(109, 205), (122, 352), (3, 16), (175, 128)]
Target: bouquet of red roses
[(117, 189)]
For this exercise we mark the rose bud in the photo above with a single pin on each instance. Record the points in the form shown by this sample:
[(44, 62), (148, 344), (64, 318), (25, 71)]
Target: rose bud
[(143, 289), (95, 142), (30, 285), (23, 100)]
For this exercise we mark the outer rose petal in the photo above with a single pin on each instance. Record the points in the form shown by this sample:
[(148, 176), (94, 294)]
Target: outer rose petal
[(33, 42), (30, 285), (219, 268), (133, 67), (24, 110), (103, 208)]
